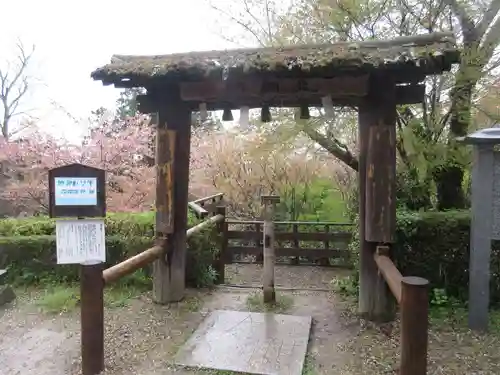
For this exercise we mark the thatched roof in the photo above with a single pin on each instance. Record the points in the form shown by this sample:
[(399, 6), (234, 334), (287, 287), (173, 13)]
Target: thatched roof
[(424, 54)]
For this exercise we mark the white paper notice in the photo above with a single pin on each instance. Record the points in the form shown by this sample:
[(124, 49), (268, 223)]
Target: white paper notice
[(80, 241)]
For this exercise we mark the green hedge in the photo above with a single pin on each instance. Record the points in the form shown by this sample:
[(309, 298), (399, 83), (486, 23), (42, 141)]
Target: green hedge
[(28, 248), (435, 245)]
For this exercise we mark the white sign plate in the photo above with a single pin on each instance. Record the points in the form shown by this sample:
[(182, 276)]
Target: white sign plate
[(75, 191), (80, 241)]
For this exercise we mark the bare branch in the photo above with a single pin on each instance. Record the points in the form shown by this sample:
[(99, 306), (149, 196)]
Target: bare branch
[(488, 18), (246, 26), (14, 85), (468, 27)]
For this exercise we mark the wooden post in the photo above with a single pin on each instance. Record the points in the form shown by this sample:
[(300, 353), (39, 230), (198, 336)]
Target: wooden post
[(222, 259), (269, 292), (259, 259), (92, 318), (414, 326), (377, 116), (172, 189)]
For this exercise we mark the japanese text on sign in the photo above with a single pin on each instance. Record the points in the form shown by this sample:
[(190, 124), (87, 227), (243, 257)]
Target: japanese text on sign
[(75, 191), (80, 241)]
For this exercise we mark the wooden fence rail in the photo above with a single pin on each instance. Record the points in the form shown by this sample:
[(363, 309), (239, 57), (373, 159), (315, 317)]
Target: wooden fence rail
[(311, 240), (412, 296), (205, 206), (92, 297)]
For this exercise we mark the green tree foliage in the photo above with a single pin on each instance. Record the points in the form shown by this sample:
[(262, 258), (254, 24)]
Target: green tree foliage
[(126, 104), (427, 151)]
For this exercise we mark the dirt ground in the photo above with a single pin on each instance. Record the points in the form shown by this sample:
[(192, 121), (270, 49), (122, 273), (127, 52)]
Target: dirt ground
[(141, 337)]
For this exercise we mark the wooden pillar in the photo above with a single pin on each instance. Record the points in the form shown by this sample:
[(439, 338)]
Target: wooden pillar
[(377, 209), (172, 155)]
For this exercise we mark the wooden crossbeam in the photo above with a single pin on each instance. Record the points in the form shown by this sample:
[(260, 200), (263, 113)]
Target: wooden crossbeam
[(408, 94)]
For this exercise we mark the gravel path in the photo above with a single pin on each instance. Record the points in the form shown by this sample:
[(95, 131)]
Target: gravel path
[(141, 338)]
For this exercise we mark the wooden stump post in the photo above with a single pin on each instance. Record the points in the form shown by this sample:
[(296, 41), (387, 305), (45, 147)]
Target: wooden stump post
[(269, 202), (414, 326)]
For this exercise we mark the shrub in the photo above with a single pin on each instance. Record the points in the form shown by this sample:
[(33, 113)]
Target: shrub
[(28, 248), (435, 245)]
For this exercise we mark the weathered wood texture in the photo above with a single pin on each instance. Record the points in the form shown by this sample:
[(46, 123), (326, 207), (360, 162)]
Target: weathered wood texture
[(380, 219), (146, 257), (169, 272), (132, 264), (268, 207), (414, 326), (412, 295), (217, 90), (92, 319), (221, 259), (206, 206), (409, 94), (391, 274), (165, 154), (377, 110), (310, 240)]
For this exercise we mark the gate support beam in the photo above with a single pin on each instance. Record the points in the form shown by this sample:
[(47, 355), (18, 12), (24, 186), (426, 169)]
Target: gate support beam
[(377, 178), (173, 139)]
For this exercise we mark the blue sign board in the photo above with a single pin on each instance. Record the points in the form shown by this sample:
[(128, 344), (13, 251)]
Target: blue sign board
[(75, 191)]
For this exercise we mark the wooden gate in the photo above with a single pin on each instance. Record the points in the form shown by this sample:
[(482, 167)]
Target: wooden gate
[(298, 243)]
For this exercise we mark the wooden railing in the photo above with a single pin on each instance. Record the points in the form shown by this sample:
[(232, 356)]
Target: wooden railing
[(312, 240), (412, 296), (93, 280), (205, 206)]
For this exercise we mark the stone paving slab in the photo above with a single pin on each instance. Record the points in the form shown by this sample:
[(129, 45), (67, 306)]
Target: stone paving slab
[(255, 343)]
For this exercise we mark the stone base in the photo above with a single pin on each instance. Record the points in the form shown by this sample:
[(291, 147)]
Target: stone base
[(250, 343), (7, 295)]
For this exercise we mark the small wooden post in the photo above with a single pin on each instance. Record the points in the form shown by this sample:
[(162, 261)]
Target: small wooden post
[(222, 259), (414, 326), (92, 318), (269, 202)]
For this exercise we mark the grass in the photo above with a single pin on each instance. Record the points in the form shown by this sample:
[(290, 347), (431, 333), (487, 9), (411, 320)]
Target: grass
[(57, 299), (255, 303)]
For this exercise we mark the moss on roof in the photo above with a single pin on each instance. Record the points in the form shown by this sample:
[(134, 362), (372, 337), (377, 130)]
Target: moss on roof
[(429, 53)]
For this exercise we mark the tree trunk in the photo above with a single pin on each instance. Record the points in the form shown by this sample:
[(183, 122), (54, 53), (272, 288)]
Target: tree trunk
[(449, 178)]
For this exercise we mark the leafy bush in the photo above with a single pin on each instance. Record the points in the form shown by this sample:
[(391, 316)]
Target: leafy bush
[(28, 248), (435, 245)]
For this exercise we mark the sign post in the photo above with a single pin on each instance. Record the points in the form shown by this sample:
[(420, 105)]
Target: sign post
[(77, 193)]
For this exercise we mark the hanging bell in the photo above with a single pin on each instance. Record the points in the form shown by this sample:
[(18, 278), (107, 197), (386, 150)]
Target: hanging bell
[(304, 112), (227, 115), (265, 114)]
